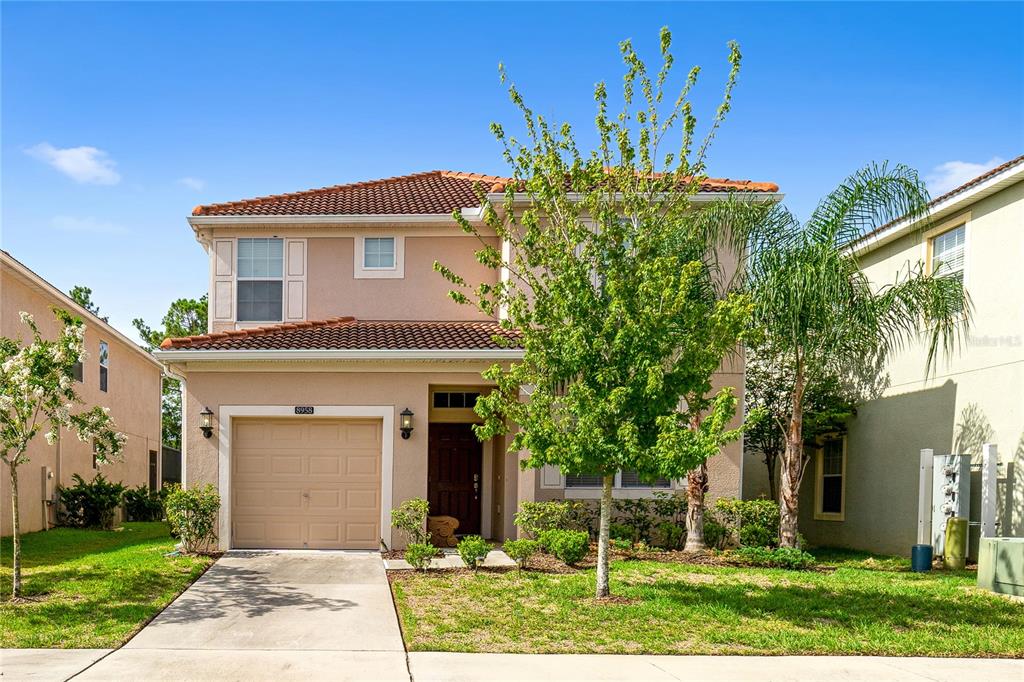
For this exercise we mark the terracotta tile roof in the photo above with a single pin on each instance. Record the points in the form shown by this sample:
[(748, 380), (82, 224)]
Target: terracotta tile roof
[(432, 192), (347, 333)]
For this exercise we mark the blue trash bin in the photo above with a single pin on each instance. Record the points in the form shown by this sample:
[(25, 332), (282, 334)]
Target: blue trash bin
[(921, 558)]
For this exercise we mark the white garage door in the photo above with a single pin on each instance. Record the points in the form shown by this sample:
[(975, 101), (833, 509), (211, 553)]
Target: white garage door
[(306, 483)]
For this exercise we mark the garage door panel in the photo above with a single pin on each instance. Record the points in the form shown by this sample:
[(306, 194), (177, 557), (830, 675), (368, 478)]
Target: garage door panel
[(306, 483), (362, 535), (325, 464), (286, 464), (362, 500)]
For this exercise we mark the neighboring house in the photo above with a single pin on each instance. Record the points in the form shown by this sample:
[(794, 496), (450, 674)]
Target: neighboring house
[(340, 378), (117, 374), (860, 489)]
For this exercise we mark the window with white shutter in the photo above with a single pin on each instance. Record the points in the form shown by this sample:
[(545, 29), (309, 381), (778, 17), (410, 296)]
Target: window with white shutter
[(948, 253)]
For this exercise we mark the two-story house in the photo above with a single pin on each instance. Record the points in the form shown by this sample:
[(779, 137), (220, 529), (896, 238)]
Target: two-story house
[(338, 379), (117, 374), (861, 488)]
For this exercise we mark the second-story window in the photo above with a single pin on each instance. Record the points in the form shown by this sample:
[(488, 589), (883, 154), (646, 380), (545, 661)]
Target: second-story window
[(104, 365), (948, 253), (260, 280), (379, 253)]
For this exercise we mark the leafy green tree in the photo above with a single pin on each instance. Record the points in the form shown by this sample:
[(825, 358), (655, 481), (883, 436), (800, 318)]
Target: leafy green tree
[(828, 404), (822, 316), (37, 393), (185, 317), (607, 276), (82, 295)]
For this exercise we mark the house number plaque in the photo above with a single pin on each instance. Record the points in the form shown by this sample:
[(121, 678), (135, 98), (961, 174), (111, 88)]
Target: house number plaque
[(303, 409)]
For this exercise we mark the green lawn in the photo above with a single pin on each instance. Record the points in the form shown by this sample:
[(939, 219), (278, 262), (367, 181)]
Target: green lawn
[(91, 588), (867, 605)]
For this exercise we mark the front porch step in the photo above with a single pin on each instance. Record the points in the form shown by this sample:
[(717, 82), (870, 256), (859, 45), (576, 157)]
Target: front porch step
[(450, 559)]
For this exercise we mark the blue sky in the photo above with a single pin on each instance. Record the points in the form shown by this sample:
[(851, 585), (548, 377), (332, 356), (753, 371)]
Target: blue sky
[(118, 118)]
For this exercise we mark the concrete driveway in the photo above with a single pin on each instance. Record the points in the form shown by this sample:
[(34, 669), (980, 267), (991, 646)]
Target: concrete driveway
[(271, 616)]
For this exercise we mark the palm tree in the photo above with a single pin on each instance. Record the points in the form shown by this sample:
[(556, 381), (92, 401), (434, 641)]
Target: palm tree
[(814, 305)]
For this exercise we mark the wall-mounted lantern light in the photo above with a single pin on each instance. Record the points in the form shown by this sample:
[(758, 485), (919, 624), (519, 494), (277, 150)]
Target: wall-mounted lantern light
[(206, 422), (405, 425)]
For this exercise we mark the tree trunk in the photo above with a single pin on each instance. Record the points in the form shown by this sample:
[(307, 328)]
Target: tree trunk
[(696, 486), (792, 468), (16, 538), (602, 537), (773, 492)]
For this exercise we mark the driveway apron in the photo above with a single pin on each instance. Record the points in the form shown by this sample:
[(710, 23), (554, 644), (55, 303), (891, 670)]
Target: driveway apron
[(272, 615)]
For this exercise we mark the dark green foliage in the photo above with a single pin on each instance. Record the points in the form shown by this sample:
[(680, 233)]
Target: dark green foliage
[(143, 504), (192, 515), (668, 535), (419, 554), (779, 557), (473, 550), (715, 534), (568, 546), (520, 551), (638, 515), (620, 531), (536, 517), (751, 523), (89, 505)]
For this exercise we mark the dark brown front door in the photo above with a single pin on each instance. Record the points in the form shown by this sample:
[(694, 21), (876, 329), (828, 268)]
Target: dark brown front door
[(454, 473)]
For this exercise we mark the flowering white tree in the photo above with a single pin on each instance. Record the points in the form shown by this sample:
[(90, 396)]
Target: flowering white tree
[(37, 394)]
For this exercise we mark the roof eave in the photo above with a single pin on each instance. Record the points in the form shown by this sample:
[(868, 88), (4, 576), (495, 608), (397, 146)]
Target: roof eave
[(174, 355), (945, 207)]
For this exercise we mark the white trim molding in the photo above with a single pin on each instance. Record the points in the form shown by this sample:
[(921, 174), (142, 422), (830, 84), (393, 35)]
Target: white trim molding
[(227, 413)]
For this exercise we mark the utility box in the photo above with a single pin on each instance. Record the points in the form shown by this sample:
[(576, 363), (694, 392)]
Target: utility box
[(951, 495), (1001, 565)]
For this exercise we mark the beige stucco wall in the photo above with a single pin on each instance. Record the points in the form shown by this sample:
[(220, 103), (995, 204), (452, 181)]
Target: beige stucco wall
[(328, 282), (133, 398), (976, 396), (421, 294), (397, 385)]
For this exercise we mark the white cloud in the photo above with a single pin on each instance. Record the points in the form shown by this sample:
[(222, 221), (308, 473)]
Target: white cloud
[(952, 174), (192, 183), (67, 223), (87, 165)]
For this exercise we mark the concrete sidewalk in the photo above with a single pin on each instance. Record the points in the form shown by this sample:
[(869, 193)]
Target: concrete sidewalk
[(435, 667), (297, 664)]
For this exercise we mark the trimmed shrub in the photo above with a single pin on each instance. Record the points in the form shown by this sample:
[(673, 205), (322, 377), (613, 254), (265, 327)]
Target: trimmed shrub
[(143, 504), (192, 515), (668, 535), (520, 551), (89, 505), (751, 523), (620, 531), (568, 546), (473, 550), (779, 557), (639, 515), (410, 517), (536, 517), (715, 534), (419, 554)]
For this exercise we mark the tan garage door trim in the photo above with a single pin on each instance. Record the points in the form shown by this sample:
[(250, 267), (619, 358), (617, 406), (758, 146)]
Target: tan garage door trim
[(227, 413)]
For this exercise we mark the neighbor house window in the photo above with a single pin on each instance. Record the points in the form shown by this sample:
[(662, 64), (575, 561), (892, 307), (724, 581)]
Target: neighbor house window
[(104, 365), (948, 253), (379, 253), (831, 484), (260, 279), (78, 372), (623, 479), (631, 479)]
